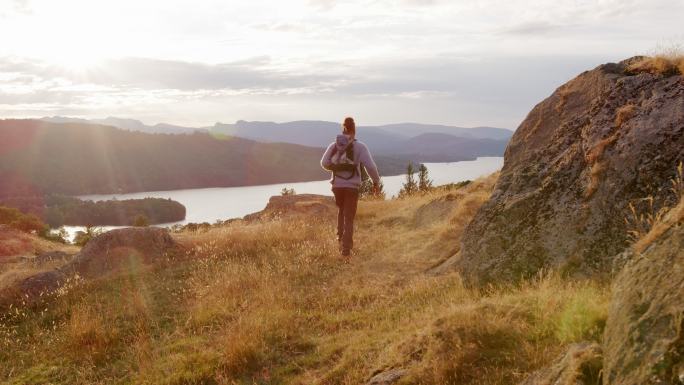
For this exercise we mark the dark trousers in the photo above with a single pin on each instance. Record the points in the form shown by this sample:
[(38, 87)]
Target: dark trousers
[(346, 200)]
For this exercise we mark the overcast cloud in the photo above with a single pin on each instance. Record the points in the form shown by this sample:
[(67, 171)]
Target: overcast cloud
[(467, 63)]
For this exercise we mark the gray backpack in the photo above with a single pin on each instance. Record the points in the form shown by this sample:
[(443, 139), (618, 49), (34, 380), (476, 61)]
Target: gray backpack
[(343, 157)]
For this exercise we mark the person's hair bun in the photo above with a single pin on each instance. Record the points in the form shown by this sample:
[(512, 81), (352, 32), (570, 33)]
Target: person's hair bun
[(349, 125)]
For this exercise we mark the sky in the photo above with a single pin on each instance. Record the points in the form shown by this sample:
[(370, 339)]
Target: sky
[(458, 62)]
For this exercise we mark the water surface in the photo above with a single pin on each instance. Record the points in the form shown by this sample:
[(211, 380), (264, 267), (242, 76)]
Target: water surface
[(221, 203)]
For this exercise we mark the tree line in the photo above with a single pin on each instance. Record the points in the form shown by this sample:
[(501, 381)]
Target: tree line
[(63, 210)]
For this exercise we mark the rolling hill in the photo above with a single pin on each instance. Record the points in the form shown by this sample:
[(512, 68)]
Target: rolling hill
[(73, 158), (404, 141), (390, 140)]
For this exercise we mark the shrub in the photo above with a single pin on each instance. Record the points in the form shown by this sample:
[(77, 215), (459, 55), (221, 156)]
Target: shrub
[(287, 191), (83, 237), (141, 221), (27, 223), (366, 189), (409, 187), (60, 235)]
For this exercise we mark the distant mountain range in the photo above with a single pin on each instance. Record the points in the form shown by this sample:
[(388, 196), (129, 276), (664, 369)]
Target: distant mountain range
[(76, 156), (404, 141), (318, 133)]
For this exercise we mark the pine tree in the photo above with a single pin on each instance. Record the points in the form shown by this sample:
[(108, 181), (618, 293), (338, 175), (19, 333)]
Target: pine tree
[(424, 182), (409, 187)]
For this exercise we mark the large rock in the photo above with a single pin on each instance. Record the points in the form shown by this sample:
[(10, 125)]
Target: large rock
[(127, 247), (598, 142), (644, 337), (579, 365)]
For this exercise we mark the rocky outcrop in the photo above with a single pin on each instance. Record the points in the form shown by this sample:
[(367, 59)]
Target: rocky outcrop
[(120, 247), (598, 142), (113, 250), (579, 365), (644, 337), (293, 206)]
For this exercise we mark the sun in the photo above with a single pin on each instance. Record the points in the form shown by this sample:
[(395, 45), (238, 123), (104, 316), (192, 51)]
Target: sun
[(76, 61), (79, 50)]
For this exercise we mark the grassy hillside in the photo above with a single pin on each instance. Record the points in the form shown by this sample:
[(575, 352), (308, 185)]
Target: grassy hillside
[(270, 303)]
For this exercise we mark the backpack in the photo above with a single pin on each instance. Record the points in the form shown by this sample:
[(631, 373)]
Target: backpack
[(343, 157)]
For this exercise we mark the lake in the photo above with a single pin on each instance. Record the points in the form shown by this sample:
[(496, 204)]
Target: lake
[(221, 203)]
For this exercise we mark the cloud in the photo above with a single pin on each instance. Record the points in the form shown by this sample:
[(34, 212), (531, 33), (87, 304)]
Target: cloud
[(422, 2), (325, 5), (145, 73), (146, 86), (14, 7), (532, 28), (307, 58), (462, 86), (280, 27)]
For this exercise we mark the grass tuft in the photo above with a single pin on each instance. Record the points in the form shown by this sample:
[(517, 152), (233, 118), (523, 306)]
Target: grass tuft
[(665, 61), (646, 223)]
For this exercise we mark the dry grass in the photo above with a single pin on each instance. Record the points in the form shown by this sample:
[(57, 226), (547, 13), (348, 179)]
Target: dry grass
[(595, 176), (17, 252), (16, 243), (87, 333), (623, 114), (593, 157), (646, 224), (270, 303), (665, 60), (661, 64)]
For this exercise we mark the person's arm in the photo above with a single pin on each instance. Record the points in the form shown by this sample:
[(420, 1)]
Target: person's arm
[(366, 159), (326, 161)]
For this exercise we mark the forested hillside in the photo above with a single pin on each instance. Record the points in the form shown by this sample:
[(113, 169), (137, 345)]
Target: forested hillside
[(42, 158)]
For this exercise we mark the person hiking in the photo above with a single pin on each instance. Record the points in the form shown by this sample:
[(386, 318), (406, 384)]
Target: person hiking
[(344, 159)]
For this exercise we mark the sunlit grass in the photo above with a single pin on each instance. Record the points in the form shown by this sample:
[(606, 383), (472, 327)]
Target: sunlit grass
[(667, 60), (270, 303)]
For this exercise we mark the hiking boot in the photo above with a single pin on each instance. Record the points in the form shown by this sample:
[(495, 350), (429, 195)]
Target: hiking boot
[(346, 258)]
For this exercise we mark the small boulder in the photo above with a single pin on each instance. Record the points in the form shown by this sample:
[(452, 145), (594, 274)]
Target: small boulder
[(388, 377), (41, 283), (579, 365), (119, 247)]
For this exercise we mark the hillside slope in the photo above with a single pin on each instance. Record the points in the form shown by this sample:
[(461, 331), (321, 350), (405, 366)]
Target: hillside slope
[(409, 141), (267, 301), (38, 157), (404, 141)]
